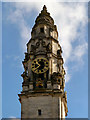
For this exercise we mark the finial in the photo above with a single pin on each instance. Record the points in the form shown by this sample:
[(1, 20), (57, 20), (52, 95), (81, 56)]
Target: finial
[(44, 8)]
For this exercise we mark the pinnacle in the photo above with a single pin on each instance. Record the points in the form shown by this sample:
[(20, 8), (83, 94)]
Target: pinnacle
[(44, 8)]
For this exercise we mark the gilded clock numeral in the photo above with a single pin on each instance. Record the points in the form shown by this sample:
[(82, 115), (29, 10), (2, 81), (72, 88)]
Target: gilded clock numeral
[(39, 60), (45, 67)]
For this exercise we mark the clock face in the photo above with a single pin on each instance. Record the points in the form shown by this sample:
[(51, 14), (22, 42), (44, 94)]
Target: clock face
[(39, 65)]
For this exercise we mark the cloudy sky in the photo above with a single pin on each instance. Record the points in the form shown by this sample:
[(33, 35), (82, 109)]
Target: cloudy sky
[(71, 19)]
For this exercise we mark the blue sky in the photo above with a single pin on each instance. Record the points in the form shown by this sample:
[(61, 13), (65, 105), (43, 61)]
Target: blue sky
[(17, 22)]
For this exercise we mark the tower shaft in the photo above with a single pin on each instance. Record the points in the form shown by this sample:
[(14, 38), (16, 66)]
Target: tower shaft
[(43, 94)]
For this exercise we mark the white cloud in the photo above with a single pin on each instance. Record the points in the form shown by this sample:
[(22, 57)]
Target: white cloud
[(71, 20), (67, 76), (16, 17), (79, 51)]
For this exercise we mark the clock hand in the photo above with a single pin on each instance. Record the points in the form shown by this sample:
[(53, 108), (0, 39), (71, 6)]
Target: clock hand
[(37, 63), (37, 67)]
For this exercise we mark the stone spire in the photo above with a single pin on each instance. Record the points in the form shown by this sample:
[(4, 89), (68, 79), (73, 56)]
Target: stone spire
[(45, 8), (44, 18)]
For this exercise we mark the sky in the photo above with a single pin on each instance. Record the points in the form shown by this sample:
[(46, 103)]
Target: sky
[(71, 19)]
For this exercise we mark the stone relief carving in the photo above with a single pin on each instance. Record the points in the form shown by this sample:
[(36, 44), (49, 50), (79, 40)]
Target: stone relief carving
[(49, 47), (55, 77), (33, 48), (25, 78), (41, 46), (39, 83)]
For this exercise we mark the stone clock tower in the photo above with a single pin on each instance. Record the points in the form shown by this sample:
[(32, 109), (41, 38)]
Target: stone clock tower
[(43, 94)]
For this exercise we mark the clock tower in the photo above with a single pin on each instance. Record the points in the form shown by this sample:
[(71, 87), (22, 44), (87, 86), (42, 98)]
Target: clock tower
[(43, 94)]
